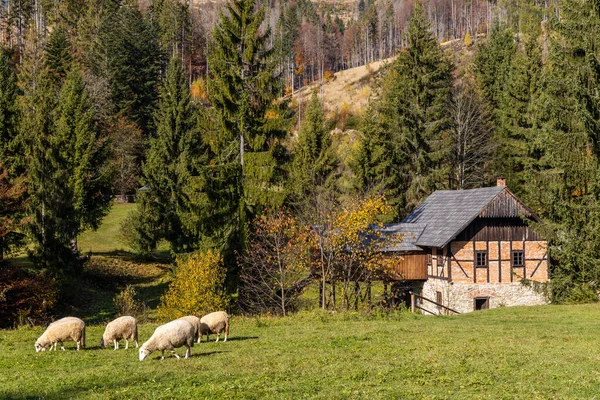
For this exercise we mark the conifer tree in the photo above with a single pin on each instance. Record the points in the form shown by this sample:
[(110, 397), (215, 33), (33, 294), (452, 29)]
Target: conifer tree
[(243, 87), (492, 62), (58, 55), (414, 108), (50, 226), (127, 54), (84, 154), (314, 161), (376, 164), (169, 163), (9, 118)]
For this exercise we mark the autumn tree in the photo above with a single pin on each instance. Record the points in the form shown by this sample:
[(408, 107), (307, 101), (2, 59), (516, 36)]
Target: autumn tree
[(197, 288), (274, 269), (347, 245)]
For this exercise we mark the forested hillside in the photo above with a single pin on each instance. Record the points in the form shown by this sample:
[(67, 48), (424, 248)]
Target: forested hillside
[(190, 107)]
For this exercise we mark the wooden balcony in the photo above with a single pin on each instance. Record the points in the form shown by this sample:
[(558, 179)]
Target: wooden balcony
[(408, 267)]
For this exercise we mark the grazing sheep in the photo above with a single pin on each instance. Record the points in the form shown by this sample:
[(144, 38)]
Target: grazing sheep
[(68, 328), (169, 336), (195, 321), (216, 322), (120, 328)]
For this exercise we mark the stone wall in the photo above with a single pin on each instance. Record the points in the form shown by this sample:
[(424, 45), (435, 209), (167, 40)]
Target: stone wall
[(460, 296)]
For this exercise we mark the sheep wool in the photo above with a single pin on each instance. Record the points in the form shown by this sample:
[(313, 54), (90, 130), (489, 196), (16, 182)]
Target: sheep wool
[(168, 337), (120, 328), (195, 321), (68, 328), (215, 322)]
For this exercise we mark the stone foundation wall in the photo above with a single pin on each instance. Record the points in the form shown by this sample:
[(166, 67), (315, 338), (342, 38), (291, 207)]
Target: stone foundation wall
[(460, 296)]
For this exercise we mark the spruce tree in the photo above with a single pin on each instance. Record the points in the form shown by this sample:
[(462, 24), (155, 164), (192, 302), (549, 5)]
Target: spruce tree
[(243, 86), (84, 153), (9, 118), (49, 225), (492, 62), (169, 163), (127, 54), (376, 162), (58, 55), (314, 161), (414, 108)]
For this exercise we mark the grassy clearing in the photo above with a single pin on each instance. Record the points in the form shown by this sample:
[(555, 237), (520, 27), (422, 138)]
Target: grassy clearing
[(107, 238), (535, 352)]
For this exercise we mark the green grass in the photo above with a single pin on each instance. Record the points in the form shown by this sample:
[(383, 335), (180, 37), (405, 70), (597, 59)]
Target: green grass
[(107, 238), (525, 353)]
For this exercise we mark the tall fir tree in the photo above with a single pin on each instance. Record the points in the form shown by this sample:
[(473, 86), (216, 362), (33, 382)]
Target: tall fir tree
[(50, 207), (9, 118), (126, 53), (169, 165), (314, 164), (414, 107), (492, 62), (58, 55), (83, 152), (376, 163), (243, 87)]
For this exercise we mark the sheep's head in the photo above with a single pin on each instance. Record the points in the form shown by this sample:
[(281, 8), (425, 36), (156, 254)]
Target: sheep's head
[(144, 353), (39, 347), (102, 343)]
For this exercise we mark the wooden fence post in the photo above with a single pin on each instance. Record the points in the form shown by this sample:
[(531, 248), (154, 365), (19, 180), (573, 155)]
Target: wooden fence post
[(412, 302)]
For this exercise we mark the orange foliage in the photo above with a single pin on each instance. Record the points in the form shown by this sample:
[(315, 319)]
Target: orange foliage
[(198, 90)]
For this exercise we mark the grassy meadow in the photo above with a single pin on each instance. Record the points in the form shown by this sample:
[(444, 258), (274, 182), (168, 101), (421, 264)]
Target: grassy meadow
[(507, 353), (526, 352)]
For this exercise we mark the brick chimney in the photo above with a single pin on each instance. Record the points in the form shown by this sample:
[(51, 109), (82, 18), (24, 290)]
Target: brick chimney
[(500, 181)]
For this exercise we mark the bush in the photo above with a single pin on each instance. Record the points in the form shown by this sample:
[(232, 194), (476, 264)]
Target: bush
[(126, 304), (197, 288), (25, 298)]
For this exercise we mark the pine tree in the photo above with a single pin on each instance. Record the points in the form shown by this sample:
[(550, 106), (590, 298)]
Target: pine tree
[(9, 118), (516, 117), (314, 162), (243, 87), (84, 153), (58, 55), (492, 62), (376, 164), (168, 167), (414, 108), (128, 55), (49, 226)]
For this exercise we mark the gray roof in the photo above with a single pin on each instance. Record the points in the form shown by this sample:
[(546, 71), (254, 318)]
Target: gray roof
[(409, 234), (446, 213)]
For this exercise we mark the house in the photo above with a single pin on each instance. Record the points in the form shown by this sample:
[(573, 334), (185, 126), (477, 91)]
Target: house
[(470, 250)]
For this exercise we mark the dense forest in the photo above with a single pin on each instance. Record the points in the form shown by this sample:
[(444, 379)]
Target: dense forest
[(186, 106)]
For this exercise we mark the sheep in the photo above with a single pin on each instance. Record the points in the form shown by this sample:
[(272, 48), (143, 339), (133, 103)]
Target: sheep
[(68, 328), (214, 323), (169, 336), (195, 321), (120, 328)]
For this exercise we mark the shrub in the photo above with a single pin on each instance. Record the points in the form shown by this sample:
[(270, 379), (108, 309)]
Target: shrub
[(197, 287), (468, 40), (25, 298), (126, 304)]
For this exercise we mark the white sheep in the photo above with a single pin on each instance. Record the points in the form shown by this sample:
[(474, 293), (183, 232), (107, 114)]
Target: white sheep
[(121, 328), (195, 321), (169, 336), (68, 328), (215, 322)]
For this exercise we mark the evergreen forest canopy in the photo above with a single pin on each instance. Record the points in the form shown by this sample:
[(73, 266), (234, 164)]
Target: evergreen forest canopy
[(98, 99)]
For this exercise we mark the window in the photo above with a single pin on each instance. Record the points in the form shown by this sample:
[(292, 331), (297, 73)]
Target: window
[(482, 303), (438, 297), (481, 259), (518, 259)]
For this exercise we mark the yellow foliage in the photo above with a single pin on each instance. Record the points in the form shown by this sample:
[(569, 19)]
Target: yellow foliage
[(271, 114), (198, 90), (197, 288), (328, 76), (468, 40)]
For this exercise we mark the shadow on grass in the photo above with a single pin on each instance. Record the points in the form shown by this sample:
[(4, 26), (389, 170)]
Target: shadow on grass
[(240, 338)]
